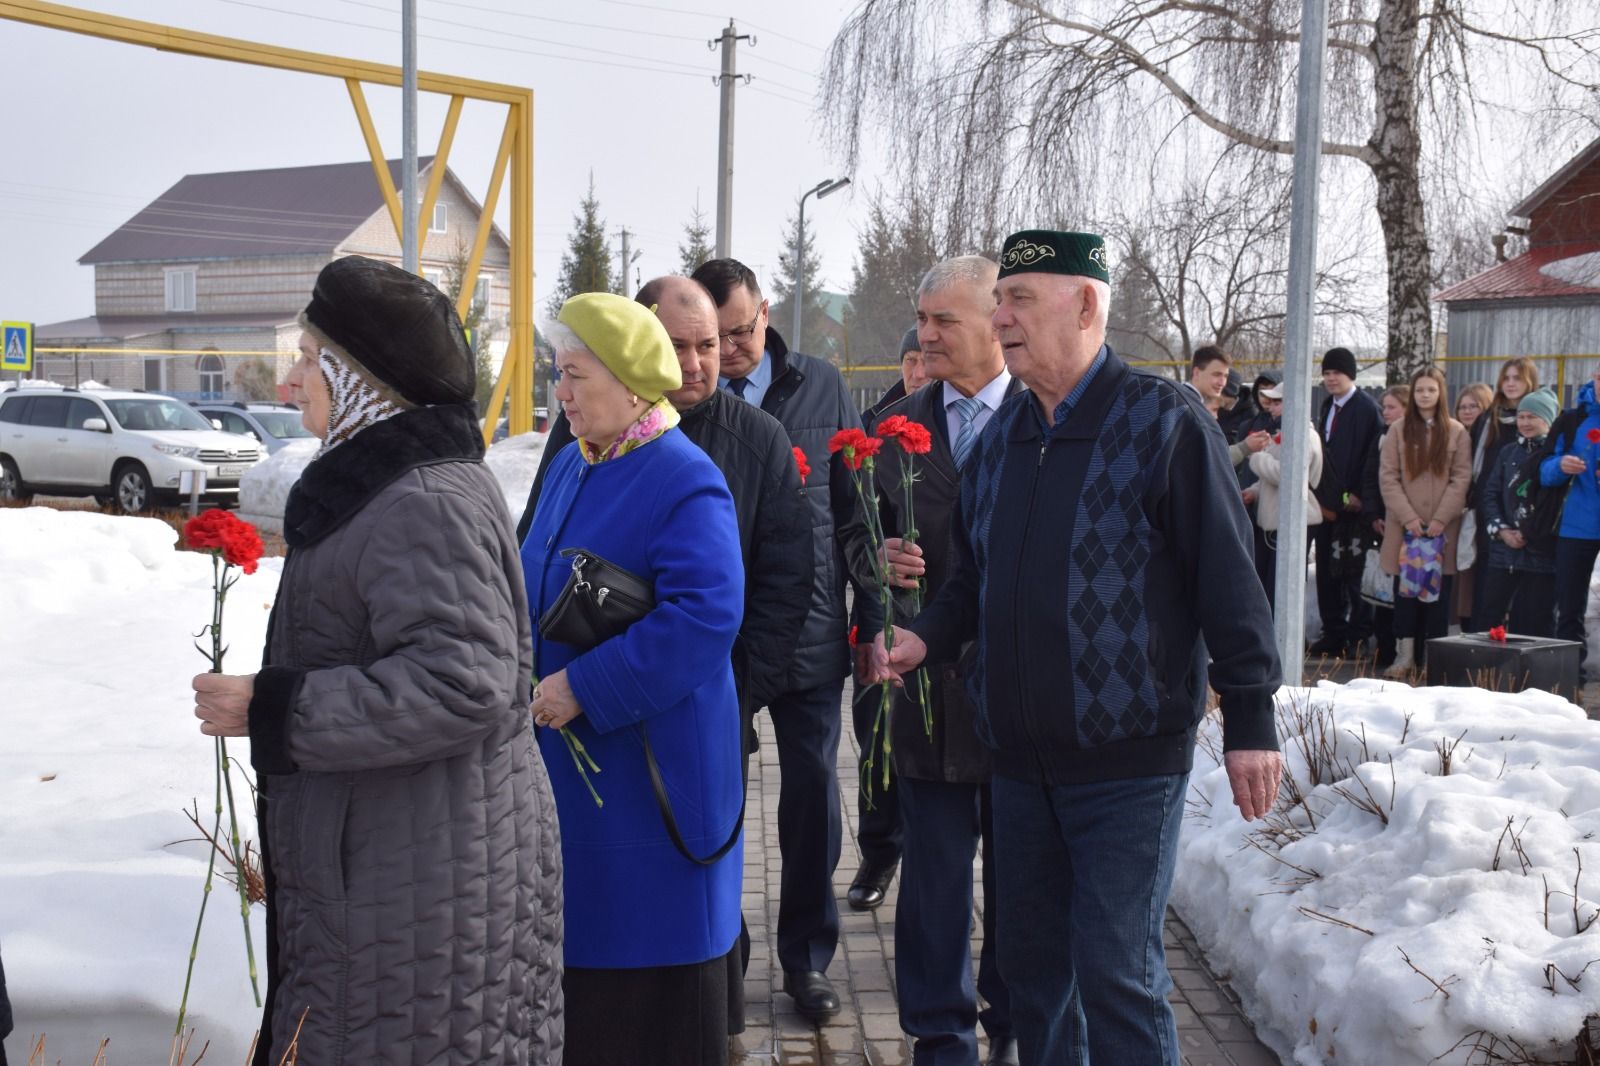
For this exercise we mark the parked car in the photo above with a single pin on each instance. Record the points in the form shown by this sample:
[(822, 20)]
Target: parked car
[(129, 448), (271, 424)]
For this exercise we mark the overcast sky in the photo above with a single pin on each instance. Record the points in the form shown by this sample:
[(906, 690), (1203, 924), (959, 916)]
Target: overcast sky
[(93, 130)]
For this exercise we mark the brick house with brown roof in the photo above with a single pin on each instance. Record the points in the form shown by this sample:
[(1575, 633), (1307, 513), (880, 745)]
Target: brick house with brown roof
[(223, 263)]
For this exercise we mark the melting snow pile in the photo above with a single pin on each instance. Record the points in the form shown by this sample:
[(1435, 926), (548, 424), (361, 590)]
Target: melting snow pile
[(1426, 891), (100, 874)]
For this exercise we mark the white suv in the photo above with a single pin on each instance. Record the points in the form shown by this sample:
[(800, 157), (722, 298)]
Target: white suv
[(127, 448)]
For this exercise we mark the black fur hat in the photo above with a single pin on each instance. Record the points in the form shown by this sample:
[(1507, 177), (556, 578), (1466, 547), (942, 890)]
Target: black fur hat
[(395, 327)]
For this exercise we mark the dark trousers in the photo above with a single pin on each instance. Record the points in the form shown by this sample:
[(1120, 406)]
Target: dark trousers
[(1383, 629), (1423, 622), (944, 824), (1574, 566), (1084, 872), (1346, 617), (878, 829), (806, 725), (1528, 599), (1267, 564)]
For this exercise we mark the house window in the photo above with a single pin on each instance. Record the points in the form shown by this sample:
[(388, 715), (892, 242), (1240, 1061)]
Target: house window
[(441, 218), (155, 374), (211, 374), (480, 294), (180, 288), (435, 277)]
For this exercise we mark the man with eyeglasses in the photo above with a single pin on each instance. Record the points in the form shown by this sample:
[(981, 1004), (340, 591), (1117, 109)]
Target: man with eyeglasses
[(808, 396)]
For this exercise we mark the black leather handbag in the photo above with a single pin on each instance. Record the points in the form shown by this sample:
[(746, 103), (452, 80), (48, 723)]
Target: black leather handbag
[(599, 601)]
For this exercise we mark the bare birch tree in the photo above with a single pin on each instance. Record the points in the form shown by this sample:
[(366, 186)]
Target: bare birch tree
[(1018, 109)]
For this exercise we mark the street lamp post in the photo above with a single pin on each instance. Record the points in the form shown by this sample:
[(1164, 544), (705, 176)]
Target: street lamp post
[(823, 188)]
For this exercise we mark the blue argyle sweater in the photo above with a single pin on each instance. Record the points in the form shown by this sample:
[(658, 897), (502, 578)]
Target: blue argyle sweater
[(1103, 564)]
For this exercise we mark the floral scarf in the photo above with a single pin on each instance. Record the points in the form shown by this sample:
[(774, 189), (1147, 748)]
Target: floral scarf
[(656, 420)]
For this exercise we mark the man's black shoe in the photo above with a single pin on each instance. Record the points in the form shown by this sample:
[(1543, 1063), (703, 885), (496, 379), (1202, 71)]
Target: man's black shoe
[(812, 993), (870, 886), (1002, 1052), (1327, 646)]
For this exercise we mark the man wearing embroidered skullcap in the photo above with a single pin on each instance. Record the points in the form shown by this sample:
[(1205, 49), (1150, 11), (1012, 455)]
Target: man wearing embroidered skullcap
[(1100, 517)]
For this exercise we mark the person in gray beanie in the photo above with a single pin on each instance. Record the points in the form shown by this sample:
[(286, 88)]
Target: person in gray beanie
[(408, 834), (1520, 589)]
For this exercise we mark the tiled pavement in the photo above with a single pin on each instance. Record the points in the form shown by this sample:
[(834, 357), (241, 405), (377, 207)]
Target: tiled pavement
[(1211, 1028)]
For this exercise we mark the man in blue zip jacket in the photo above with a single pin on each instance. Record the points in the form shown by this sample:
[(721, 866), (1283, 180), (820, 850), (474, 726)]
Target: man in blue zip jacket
[(1576, 462), (1098, 538)]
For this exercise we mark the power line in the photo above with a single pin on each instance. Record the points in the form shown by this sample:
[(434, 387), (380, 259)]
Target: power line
[(568, 22), (469, 44)]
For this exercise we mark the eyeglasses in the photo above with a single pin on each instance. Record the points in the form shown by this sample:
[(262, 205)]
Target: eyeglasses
[(740, 334)]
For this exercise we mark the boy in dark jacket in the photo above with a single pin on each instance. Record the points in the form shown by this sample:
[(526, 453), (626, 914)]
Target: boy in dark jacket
[(1521, 577)]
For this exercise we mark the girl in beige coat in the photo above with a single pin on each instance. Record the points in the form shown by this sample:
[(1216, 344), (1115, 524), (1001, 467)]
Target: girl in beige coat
[(1424, 470)]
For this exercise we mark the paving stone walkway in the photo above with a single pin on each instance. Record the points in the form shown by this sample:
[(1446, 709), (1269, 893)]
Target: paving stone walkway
[(1211, 1028)]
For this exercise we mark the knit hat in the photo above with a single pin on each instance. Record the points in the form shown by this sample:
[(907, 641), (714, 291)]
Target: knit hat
[(399, 332), (1341, 359), (628, 338), (909, 342), (1234, 383), (1045, 251), (1541, 402)]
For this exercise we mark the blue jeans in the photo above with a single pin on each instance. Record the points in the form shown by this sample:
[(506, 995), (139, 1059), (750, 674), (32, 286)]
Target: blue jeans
[(806, 725), (1084, 875), (944, 823)]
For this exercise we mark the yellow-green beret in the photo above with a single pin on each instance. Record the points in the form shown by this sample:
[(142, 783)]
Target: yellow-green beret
[(628, 338)]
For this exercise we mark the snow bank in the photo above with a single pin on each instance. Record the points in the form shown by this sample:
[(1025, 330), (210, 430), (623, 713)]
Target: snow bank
[(264, 489), (101, 755), (1438, 876), (514, 462)]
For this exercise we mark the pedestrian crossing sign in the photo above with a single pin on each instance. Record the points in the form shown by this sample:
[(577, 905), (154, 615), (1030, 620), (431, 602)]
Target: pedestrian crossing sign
[(16, 346)]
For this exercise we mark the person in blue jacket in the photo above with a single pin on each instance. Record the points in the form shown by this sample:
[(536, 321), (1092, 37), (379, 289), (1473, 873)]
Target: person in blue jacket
[(648, 930), (1575, 462)]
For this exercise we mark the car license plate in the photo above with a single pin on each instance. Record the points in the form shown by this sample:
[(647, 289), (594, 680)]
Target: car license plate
[(232, 470)]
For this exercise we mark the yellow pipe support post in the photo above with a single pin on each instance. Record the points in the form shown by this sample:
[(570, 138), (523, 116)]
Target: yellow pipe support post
[(521, 348), (380, 165), (497, 399), (480, 240), (441, 160)]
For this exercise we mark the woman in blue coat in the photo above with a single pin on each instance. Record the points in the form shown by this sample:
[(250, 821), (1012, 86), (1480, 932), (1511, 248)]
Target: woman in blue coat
[(648, 931)]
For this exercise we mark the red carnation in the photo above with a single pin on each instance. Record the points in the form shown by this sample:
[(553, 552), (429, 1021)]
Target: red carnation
[(222, 532), (855, 446), (1277, 438), (893, 426), (803, 466), (1594, 436), (853, 636), (1499, 632), (915, 438)]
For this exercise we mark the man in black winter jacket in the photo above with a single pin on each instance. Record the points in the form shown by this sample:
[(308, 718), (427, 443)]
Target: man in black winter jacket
[(1350, 424), (809, 397), (1099, 539)]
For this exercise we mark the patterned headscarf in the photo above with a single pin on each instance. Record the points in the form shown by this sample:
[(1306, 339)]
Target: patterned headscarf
[(354, 403)]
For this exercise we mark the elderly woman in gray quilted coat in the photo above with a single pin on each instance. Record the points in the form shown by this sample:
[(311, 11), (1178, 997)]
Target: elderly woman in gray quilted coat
[(410, 838)]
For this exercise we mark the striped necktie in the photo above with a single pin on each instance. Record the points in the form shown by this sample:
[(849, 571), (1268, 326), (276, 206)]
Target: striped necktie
[(967, 408)]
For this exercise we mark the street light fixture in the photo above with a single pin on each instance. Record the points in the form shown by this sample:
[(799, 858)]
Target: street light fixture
[(823, 188)]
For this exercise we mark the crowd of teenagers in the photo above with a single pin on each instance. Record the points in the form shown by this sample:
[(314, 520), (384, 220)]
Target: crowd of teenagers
[(503, 764), (1424, 515)]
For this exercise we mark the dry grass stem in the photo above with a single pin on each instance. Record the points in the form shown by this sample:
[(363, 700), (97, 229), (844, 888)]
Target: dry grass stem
[(1331, 920)]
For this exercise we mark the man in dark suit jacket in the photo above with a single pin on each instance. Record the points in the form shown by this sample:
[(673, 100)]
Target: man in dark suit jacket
[(1350, 424), (942, 779)]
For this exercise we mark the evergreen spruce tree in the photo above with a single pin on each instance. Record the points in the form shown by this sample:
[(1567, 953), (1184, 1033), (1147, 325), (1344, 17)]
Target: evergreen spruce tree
[(896, 248), (586, 264), (696, 248), (813, 320)]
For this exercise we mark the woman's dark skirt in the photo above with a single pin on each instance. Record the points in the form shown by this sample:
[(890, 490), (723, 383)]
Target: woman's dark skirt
[(660, 1015)]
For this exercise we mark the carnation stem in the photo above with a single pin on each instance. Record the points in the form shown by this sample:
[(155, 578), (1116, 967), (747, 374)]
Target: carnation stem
[(239, 866), (580, 757), (194, 944)]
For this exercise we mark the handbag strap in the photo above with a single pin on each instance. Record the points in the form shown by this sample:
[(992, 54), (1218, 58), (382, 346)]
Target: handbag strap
[(671, 822)]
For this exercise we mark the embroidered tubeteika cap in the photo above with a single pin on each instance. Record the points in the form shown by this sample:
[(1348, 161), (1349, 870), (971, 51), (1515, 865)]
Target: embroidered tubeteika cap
[(1046, 251)]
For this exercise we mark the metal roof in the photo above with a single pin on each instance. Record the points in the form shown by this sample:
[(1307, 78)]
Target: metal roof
[(1571, 269), (1555, 181), (287, 211)]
